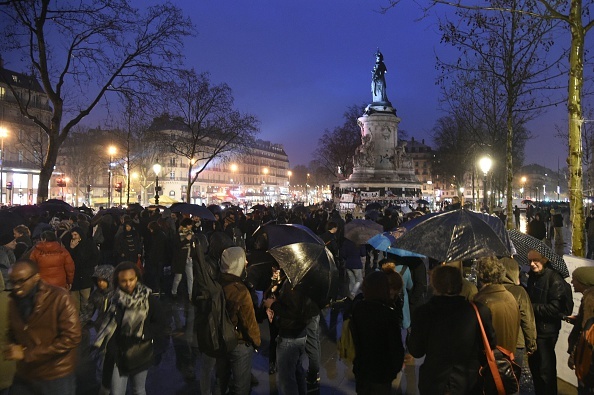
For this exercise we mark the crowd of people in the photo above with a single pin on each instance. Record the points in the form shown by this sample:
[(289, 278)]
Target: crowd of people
[(101, 281)]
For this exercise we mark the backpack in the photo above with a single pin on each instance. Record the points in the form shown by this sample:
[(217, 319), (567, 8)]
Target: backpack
[(215, 333), (583, 354), (567, 299)]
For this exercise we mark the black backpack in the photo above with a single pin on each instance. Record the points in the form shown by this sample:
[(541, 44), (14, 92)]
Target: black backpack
[(215, 333), (567, 298)]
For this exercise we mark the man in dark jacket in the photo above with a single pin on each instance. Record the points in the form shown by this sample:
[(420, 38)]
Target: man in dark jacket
[(545, 289), (537, 228), (44, 332)]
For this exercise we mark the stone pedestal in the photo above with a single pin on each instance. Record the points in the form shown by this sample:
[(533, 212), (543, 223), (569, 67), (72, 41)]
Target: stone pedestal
[(380, 163)]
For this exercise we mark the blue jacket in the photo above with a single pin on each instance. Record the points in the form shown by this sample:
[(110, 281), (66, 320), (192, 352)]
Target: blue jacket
[(352, 253)]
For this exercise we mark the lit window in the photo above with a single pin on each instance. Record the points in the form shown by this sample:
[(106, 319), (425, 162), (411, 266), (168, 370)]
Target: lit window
[(172, 175)]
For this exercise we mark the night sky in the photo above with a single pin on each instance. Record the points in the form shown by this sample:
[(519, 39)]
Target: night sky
[(298, 65)]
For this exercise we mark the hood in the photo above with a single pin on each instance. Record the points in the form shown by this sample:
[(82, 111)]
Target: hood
[(512, 271), (233, 261), (104, 272), (2, 285), (80, 231), (48, 246)]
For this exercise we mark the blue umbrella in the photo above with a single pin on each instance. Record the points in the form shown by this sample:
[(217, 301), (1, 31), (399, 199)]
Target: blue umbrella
[(387, 242)]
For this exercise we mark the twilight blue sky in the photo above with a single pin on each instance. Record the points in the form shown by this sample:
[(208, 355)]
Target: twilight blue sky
[(297, 65)]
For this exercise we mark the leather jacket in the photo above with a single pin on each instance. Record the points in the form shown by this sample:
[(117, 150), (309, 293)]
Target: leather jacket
[(50, 335), (546, 294)]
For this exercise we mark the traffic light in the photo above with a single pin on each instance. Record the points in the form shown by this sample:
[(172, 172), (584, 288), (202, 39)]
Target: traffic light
[(61, 182), (88, 188), (118, 187)]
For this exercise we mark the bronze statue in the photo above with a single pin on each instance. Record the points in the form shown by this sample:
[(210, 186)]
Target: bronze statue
[(378, 82)]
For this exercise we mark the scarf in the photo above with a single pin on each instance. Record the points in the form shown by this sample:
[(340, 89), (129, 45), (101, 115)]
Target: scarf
[(135, 307)]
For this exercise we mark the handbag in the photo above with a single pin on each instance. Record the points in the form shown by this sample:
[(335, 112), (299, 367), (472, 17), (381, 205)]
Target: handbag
[(138, 354), (501, 374)]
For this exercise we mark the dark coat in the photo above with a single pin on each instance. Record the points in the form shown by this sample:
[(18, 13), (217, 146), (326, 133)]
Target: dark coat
[(85, 256), (546, 294), (127, 246), (379, 352), (352, 253), (445, 330), (537, 229)]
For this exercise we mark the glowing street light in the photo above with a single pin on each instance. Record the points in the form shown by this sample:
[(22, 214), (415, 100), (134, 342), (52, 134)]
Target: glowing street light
[(111, 150), (157, 170), (3, 135), (485, 165)]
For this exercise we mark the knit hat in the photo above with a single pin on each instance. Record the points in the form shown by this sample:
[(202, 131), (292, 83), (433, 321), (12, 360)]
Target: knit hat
[(233, 261), (584, 275)]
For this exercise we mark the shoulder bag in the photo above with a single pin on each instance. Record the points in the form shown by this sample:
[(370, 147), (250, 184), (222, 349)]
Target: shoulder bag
[(501, 374)]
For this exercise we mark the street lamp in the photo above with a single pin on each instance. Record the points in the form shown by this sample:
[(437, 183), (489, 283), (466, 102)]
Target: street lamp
[(289, 174), (111, 151), (485, 165), (157, 170), (306, 191), (3, 135), (522, 189)]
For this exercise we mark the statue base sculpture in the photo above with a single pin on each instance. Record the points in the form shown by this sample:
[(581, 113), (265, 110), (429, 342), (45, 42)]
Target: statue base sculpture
[(382, 167)]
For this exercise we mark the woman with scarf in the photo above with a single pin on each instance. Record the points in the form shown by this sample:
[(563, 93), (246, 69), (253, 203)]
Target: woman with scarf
[(135, 321), (127, 245)]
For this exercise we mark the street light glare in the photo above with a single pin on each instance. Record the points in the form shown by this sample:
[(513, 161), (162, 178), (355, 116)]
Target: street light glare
[(3, 132), (111, 150), (233, 167), (485, 164), (157, 168)]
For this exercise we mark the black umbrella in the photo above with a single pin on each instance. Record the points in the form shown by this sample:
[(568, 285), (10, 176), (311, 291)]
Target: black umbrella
[(524, 243), (310, 268), (8, 221), (258, 207), (26, 211), (193, 209), (215, 209), (422, 201), (360, 230), (56, 205), (373, 206), (453, 236), (280, 235), (259, 269)]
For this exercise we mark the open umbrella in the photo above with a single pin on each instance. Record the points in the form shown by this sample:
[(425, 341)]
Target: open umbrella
[(387, 242), (360, 230), (258, 207), (310, 268), (453, 236), (306, 261), (193, 209), (215, 209), (55, 206), (526, 201), (422, 201), (524, 243)]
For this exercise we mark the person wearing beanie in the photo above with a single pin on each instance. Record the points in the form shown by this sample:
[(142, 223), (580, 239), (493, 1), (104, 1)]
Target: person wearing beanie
[(234, 369), (582, 279), (526, 344), (545, 288)]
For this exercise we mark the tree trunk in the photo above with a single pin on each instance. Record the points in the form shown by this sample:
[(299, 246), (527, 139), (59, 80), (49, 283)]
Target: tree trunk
[(47, 170), (509, 170), (574, 106)]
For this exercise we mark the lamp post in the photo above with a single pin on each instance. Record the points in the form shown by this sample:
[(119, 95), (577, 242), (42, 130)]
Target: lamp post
[(523, 186), (265, 172), (461, 196), (289, 174), (3, 135), (485, 165), (157, 170), (111, 151), (306, 191)]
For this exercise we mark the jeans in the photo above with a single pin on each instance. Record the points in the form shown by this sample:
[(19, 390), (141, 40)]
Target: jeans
[(291, 375), (120, 383), (543, 366), (312, 348), (62, 386), (189, 278), (234, 371), (355, 281), (207, 374), (81, 298)]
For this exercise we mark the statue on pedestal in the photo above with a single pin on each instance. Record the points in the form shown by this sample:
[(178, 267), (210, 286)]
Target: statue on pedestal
[(378, 81)]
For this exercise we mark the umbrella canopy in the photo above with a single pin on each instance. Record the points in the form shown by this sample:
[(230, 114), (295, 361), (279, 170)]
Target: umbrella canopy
[(310, 268), (422, 201), (526, 201), (258, 207), (373, 206), (280, 235), (215, 209), (387, 242), (55, 205), (453, 236), (360, 230), (26, 211), (193, 209), (524, 243)]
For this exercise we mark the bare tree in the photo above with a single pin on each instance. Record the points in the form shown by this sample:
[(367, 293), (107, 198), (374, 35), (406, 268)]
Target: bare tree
[(203, 126), (336, 147), (80, 51)]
